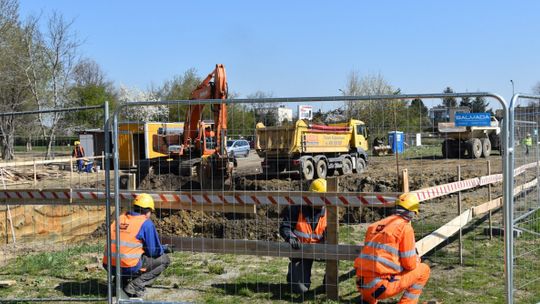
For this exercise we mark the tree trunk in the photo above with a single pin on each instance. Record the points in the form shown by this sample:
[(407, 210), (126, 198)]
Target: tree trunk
[(7, 130)]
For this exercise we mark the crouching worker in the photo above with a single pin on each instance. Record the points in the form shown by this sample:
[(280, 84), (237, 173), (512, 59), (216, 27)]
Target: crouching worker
[(303, 225), (142, 257), (388, 263)]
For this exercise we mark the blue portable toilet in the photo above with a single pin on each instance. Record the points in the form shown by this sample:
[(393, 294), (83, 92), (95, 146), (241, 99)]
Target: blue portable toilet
[(396, 140)]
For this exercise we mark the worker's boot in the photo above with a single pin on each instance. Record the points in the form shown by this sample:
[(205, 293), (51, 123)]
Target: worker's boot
[(299, 288)]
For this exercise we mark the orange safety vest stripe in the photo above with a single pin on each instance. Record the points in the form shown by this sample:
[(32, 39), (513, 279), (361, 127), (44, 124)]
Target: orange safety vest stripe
[(131, 248), (389, 248), (305, 233)]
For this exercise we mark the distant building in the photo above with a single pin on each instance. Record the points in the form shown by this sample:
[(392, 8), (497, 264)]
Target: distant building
[(444, 114), (275, 116)]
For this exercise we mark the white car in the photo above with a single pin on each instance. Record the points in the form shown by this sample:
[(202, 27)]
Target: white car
[(238, 147)]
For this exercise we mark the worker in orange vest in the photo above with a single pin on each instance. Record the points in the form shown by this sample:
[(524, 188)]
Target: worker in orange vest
[(303, 225), (389, 263), (142, 257)]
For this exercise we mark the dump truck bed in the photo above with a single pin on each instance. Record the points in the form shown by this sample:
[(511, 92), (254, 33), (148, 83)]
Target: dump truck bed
[(449, 130), (302, 138)]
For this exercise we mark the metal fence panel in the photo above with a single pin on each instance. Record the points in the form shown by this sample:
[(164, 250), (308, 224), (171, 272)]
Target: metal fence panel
[(230, 232), (525, 208), (50, 249)]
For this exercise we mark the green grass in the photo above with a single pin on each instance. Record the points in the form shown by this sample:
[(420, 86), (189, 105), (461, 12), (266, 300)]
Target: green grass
[(422, 152), (213, 278)]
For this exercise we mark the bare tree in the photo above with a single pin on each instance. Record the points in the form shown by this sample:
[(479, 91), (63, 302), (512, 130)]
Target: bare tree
[(87, 72), (9, 15), (536, 88), (49, 74), (380, 115)]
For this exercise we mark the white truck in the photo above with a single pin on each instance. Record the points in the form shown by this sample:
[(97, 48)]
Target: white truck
[(472, 142)]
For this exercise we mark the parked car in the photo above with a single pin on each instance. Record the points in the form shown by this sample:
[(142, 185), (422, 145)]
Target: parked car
[(238, 147)]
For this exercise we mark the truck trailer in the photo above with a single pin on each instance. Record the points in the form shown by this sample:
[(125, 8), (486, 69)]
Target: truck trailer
[(471, 142), (313, 150)]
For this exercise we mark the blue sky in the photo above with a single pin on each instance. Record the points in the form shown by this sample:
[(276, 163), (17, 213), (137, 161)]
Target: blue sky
[(308, 48)]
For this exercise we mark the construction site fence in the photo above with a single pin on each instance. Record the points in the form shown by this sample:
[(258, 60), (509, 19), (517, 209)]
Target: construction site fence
[(524, 214), (51, 227), (515, 189)]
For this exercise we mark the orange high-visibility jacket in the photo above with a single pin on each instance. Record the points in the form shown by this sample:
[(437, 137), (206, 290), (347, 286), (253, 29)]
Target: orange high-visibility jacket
[(389, 248), (131, 248), (305, 233)]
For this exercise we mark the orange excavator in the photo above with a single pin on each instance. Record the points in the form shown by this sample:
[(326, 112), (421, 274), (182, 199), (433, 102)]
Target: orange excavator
[(201, 148)]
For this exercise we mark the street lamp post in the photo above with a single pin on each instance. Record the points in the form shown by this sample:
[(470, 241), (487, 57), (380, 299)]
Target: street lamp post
[(512, 86)]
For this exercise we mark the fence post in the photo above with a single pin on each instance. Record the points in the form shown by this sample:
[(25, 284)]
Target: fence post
[(405, 179), (489, 200), (71, 172), (459, 213), (332, 275), (35, 172)]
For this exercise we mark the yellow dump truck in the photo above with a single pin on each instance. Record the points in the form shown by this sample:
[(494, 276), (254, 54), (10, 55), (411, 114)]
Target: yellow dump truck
[(141, 141), (313, 150)]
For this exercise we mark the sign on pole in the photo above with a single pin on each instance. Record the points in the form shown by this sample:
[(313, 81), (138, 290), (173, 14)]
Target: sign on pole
[(473, 120), (305, 112)]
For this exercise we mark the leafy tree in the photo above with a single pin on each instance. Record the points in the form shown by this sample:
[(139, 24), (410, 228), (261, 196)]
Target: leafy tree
[(465, 102), (479, 105), (417, 116), (380, 115), (90, 88), (180, 88), (449, 102), (14, 90)]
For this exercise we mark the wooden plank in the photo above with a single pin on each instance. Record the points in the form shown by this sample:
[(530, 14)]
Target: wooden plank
[(7, 283), (45, 162), (486, 207), (405, 179), (263, 248), (440, 235)]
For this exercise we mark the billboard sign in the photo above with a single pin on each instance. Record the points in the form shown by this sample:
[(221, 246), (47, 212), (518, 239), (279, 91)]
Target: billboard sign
[(305, 112), (473, 120)]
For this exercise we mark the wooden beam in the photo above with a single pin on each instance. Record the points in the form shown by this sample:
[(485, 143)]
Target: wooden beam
[(263, 248), (487, 207), (443, 233), (45, 162)]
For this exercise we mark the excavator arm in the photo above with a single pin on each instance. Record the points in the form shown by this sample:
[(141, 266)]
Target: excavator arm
[(214, 86)]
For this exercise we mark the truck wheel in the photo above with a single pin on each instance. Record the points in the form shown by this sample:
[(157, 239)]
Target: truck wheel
[(321, 168), (486, 147), (360, 165), (346, 166), (445, 147), (474, 147), (308, 170)]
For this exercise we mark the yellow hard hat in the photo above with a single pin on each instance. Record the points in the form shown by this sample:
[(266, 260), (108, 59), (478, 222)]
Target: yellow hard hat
[(318, 185), (409, 202), (144, 200), (77, 142)]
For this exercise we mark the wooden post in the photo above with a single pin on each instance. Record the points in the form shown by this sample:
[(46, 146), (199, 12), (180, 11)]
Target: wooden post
[(332, 273), (35, 173), (71, 172), (459, 213), (489, 200), (405, 179)]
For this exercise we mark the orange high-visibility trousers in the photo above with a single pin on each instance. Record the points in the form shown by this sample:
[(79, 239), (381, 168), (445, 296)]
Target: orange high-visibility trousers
[(412, 282)]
